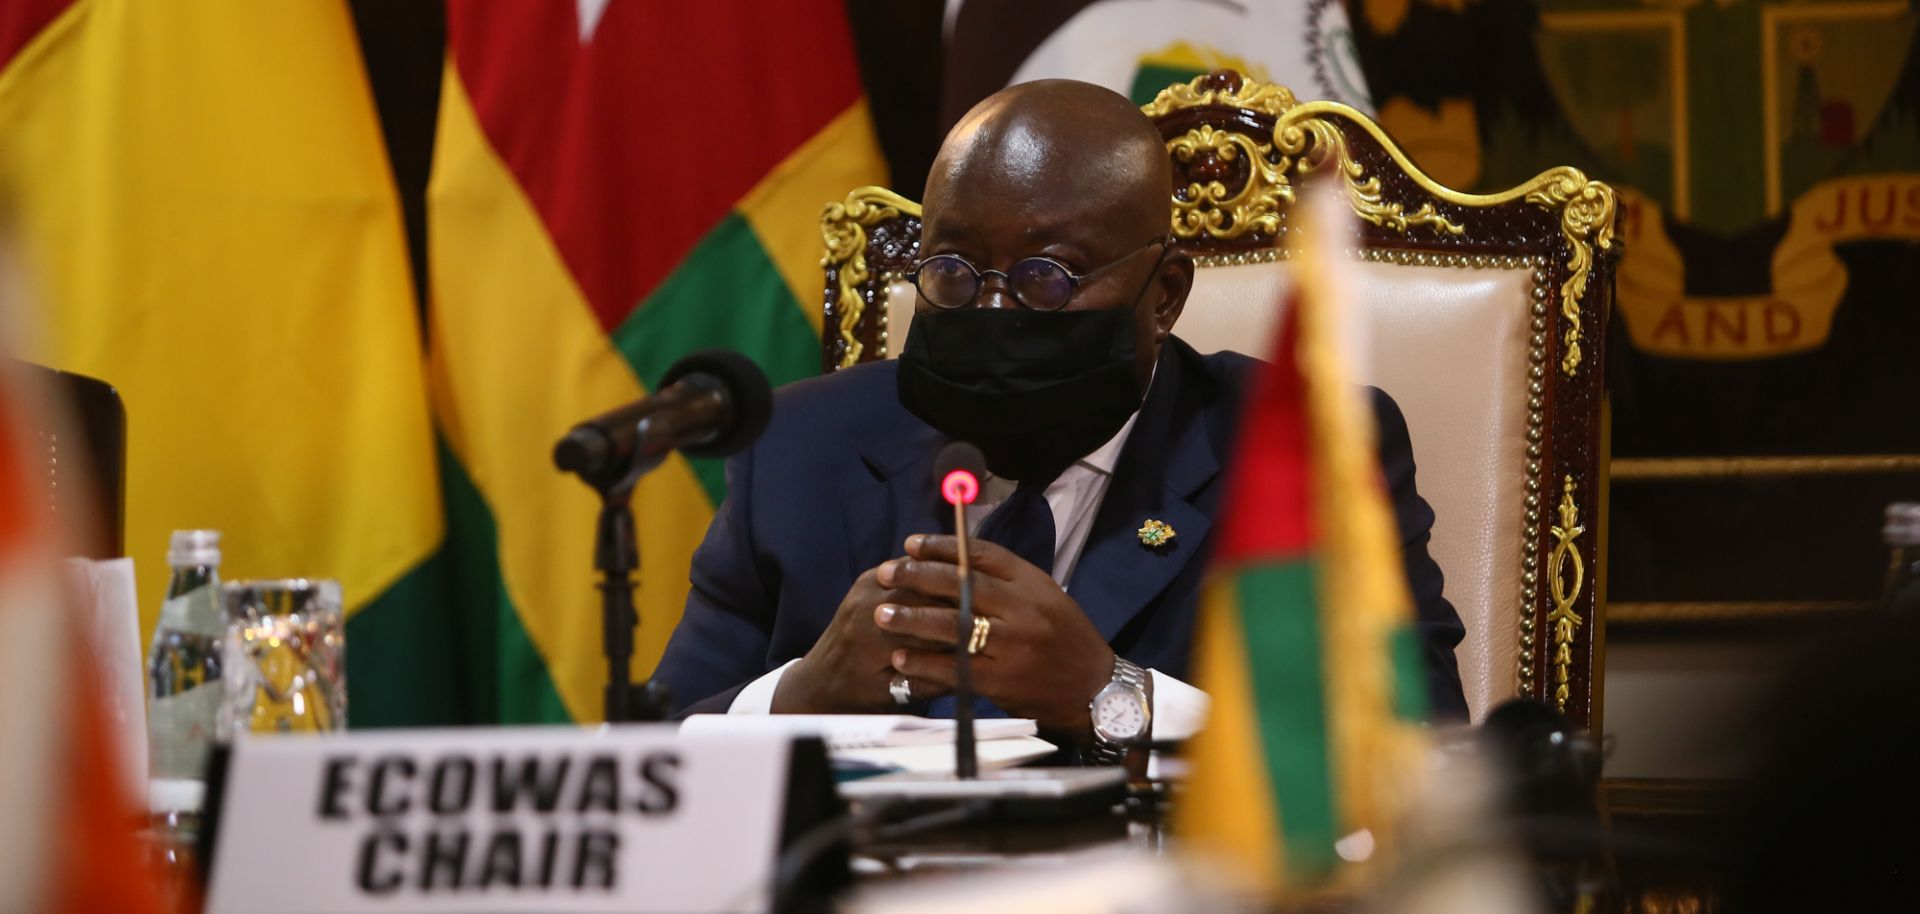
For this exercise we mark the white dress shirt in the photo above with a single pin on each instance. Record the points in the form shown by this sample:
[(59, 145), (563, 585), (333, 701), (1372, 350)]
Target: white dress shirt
[(1179, 709)]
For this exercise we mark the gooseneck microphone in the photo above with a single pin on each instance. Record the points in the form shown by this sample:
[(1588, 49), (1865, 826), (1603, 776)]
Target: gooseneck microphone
[(709, 404), (958, 468)]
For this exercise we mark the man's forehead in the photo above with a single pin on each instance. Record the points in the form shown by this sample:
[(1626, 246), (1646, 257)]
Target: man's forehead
[(1066, 206), (1029, 160), (973, 217), (1075, 237)]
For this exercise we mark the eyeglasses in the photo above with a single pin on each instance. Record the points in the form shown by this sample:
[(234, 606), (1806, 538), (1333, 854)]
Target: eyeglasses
[(950, 281)]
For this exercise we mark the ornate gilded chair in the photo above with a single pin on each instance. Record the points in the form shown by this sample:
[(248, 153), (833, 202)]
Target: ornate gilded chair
[(1487, 316)]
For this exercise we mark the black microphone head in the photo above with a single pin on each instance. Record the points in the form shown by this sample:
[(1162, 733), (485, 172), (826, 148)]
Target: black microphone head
[(747, 390), (959, 455), (583, 450), (957, 472)]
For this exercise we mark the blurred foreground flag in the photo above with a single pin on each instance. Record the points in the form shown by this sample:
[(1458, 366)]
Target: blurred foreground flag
[(202, 199), (69, 844), (616, 185), (1306, 640)]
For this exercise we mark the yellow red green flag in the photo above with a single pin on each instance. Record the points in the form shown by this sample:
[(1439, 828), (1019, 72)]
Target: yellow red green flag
[(615, 185), (201, 195), (1305, 640)]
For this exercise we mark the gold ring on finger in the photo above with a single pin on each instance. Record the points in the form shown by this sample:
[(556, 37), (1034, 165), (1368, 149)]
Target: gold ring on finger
[(978, 642)]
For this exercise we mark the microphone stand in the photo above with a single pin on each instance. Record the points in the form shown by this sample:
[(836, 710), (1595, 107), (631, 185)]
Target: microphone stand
[(616, 556), (708, 404), (965, 763)]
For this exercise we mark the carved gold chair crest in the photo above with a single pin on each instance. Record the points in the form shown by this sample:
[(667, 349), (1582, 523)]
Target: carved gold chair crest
[(1487, 316)]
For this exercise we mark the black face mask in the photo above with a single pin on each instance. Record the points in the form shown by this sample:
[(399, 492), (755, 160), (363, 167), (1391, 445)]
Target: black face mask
[(1034, 390)]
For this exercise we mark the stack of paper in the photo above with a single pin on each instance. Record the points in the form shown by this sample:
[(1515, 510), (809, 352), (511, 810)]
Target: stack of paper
[(888, 742)]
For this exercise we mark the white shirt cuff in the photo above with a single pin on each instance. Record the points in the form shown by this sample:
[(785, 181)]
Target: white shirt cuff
[(1179, 710), (757, 696)]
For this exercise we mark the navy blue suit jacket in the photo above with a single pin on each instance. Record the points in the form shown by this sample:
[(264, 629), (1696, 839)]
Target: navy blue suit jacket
[(844, 474)]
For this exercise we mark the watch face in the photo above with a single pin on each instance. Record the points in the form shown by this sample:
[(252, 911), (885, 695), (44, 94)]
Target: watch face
[(1119, 715)]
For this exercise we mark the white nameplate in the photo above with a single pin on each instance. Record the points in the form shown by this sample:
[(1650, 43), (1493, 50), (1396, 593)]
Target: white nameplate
[(630, 819)]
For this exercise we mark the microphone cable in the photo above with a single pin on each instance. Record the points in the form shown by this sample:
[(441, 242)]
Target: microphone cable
[(801, 854)]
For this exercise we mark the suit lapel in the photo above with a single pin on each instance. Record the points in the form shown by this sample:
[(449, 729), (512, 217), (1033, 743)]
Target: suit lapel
[(1166, 460), (900, 501)]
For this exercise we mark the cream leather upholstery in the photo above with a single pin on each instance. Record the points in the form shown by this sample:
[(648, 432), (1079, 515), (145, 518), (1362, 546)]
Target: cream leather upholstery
[(1449, 344)]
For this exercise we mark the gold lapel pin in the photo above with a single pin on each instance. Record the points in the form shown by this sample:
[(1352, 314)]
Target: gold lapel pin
[(1155, 533)]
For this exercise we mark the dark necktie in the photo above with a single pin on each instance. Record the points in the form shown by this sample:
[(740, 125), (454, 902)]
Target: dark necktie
[(1024, 525)]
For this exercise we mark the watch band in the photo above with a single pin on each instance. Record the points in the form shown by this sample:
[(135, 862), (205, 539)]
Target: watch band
[(1129, 675)]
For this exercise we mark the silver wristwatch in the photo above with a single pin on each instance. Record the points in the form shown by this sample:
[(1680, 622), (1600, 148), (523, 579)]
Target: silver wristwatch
[(1122, 712)]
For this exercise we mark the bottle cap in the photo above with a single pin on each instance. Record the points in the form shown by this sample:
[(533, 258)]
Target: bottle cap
[(1903, 524), (194, 547)]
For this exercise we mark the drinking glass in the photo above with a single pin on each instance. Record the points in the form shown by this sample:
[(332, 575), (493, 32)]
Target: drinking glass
[(286, 648)]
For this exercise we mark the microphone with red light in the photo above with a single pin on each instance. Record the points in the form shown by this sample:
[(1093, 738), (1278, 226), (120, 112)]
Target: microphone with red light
[(958, 469)]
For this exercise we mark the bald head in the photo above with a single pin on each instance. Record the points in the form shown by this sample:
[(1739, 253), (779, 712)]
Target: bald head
[(1069, 171), (1055, 150)]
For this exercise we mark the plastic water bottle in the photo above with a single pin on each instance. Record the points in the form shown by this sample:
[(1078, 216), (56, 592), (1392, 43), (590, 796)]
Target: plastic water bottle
[(183, 671)]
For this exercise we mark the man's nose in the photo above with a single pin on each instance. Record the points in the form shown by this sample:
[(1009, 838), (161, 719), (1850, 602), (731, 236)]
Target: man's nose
[(994, 292)]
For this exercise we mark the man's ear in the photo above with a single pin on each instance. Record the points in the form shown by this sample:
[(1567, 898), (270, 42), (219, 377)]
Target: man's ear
[(1175, 280)]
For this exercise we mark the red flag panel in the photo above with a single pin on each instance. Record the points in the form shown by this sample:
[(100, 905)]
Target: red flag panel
[(1269, 507), (22, 20), (635, 136)]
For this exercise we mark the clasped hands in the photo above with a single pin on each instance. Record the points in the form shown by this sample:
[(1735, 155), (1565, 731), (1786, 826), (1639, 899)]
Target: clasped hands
[(1042, 657)]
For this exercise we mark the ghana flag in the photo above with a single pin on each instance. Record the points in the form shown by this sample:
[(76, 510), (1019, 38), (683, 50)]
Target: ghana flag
[(200, 194), (1306, 642), (616, 185)]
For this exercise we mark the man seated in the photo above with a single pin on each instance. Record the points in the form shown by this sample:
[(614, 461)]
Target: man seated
[(1048, 293)]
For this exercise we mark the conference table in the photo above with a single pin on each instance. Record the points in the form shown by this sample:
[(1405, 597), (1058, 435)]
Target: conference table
[(895, 843), (917, 854), (1140, 824)]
